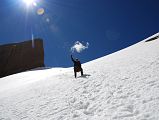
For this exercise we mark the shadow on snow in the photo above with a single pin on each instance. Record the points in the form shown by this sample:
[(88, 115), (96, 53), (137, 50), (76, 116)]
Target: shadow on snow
[(84, 76)]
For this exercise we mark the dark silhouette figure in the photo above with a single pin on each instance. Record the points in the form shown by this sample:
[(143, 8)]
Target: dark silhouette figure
[(77, 66)]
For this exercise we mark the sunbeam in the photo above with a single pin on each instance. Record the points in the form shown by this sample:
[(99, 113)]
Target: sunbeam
[(30, 2)]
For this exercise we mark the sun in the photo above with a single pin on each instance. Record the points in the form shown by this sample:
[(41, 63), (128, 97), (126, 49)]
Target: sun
[(29, 2)]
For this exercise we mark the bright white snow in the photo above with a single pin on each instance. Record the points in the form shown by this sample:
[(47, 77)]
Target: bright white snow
[(121, 86)]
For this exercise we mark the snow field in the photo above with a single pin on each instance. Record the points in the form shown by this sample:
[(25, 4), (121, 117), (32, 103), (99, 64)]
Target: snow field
[(121, 86)]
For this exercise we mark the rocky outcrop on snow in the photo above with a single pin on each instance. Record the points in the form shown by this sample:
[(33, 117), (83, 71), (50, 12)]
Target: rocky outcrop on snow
[(154, 37), (18, 57)]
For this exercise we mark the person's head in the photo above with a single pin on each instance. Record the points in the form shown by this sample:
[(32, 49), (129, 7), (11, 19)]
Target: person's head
[(77, 59)]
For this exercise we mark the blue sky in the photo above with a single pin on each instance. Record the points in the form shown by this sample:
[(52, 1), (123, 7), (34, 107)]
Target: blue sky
[(101, 26)]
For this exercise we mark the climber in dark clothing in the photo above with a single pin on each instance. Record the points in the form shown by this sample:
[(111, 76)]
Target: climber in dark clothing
[(77, 66)]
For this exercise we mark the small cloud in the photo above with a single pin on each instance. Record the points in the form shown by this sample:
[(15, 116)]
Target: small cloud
[(79, 47)]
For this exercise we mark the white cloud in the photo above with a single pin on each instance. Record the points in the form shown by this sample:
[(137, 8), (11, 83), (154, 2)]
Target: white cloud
[(79, 47)]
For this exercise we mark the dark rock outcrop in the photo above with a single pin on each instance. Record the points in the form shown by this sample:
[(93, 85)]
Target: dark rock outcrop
[(151, 39), (19, 57)]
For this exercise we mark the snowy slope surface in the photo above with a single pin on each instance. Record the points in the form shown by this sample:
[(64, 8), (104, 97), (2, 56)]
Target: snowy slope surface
[(121, 86)]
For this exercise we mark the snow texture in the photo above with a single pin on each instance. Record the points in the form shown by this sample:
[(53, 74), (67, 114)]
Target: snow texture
[(121, 86)]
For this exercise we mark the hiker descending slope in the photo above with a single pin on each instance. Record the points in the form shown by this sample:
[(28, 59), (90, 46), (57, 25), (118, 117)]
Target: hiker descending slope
[(77, 66)]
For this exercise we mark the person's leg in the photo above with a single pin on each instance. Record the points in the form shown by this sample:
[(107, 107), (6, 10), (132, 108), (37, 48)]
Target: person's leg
[(75, 73), (81, 71)]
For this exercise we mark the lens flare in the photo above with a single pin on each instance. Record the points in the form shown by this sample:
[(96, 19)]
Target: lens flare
[(40, 11)]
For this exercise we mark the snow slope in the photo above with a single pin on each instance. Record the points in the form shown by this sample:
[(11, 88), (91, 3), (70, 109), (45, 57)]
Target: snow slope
[(121, 86)]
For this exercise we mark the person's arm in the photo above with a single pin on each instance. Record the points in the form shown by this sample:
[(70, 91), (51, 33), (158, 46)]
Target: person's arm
[(72, 59)]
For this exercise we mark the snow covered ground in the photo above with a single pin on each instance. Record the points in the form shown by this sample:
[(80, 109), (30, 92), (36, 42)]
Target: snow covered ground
[(121, 86)]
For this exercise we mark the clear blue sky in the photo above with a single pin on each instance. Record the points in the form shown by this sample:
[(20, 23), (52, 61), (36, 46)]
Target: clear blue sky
[(107, 25)]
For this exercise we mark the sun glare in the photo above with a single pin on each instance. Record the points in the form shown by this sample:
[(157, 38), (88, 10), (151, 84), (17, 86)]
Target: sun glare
[(29, 2)]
